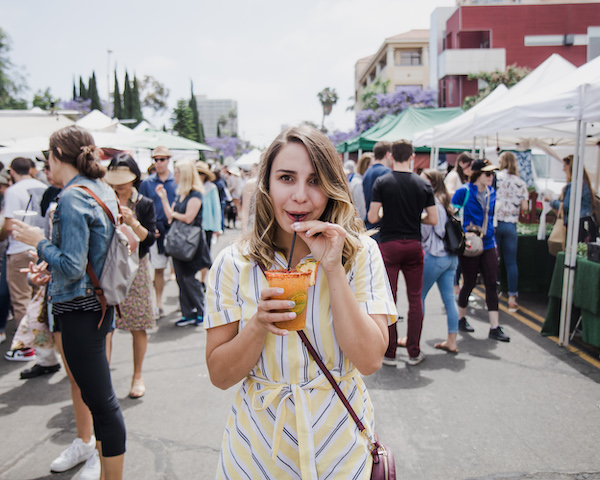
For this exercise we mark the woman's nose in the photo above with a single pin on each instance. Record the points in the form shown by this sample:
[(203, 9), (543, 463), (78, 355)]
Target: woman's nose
[(300, 193)]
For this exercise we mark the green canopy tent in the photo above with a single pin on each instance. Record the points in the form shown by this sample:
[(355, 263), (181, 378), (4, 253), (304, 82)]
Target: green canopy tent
[(402, 126), (354, 144)]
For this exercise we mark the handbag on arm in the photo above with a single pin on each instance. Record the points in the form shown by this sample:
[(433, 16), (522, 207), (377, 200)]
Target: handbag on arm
[(384, 466)]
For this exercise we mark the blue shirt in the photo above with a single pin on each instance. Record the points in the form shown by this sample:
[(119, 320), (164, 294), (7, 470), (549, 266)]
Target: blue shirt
[(373, 173), (474, 211), (586, 202), (148, 190)]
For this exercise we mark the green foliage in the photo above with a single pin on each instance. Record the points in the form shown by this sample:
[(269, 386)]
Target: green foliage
[(45, 100), (83, 91), (183, 120), (135, 102), (368, 95), (510, 77), (198, 128), (117, 102), (12, 84), (127, 99), (328, 98), (74, 90), (153, 94), (93, 93)]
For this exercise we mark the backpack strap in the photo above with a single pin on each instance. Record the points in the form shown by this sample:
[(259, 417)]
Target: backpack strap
[(89, 270)]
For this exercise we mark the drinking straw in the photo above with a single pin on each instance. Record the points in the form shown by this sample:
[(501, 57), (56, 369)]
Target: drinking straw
[(27, 207), (289, 267)]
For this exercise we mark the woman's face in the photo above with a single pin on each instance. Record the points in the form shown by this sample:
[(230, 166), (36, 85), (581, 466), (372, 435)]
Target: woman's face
[(125, 189), (294, 188), (176, 174), (487, 178), (466, 167)]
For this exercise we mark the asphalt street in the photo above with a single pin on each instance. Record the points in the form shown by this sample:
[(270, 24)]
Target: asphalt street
[(527, 409)]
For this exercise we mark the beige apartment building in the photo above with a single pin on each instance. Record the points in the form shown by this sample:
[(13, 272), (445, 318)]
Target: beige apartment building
[(402, 59)]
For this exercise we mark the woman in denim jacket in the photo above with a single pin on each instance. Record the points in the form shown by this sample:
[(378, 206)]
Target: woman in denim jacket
[(81, 231)]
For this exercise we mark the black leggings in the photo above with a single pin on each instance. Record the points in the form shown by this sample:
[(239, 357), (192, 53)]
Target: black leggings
[(85, 350), (487, 265)]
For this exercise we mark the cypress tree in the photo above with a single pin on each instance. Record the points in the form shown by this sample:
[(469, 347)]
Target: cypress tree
[(83, 93), (127, 106), (183, 121), (136, 105), (194, 108), (117, 103), (93, 93), (74, 90)]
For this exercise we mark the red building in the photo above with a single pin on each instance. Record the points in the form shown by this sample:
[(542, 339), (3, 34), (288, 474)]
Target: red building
[(492, 37)]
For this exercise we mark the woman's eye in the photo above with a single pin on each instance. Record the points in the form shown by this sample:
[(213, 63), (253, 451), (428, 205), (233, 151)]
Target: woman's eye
[(313, 181), (286, 178)]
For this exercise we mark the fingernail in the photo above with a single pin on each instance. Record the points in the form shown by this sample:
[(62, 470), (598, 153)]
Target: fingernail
[(291, 304), (280, 291), (295, 226), (307, 233), (291, 315)]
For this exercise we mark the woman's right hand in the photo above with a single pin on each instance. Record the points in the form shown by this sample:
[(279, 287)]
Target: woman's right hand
[(161, 192), (271, 310), (39, 274)]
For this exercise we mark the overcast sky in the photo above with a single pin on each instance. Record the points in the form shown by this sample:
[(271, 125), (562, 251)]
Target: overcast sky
[(272, 56)]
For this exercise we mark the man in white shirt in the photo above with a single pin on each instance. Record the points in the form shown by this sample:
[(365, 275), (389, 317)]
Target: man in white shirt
[(24, 195)]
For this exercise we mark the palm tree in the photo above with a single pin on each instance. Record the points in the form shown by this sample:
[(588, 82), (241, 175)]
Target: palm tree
[(328, 98)]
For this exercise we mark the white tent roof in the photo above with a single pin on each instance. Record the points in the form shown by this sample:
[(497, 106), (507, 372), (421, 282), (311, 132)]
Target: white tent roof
[(249, 159), (458, 129), (19, 124), (97, 121)]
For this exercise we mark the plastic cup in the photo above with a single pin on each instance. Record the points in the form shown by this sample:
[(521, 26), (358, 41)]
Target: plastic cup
[(295, 287)]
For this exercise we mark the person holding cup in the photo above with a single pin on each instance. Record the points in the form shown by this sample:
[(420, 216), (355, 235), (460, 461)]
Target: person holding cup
[(273, 429)]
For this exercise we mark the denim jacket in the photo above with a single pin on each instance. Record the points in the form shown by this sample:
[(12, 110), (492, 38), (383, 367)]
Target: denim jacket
[(80, 231)]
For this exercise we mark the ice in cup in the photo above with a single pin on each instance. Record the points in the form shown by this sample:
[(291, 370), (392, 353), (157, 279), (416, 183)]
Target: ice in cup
[(295, 288)]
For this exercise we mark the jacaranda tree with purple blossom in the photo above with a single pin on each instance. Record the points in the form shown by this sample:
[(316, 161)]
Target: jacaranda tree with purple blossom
[(383, 104), (226, 146)]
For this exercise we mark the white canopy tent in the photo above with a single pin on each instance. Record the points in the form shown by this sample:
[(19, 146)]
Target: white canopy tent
[(573, 103), (247, 160)]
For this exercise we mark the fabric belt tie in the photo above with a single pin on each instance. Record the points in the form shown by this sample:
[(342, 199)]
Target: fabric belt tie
[(300, 393)]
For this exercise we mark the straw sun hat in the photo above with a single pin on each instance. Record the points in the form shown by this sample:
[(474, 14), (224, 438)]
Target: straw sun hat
[(119, 176), (203, 167)]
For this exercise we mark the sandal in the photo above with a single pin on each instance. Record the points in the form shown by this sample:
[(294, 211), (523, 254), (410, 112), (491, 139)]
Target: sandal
[(138, 389), (402, 342), (445, 348), (513, 307)]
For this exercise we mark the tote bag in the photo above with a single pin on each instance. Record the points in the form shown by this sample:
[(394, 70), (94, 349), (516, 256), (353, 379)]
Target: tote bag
[(558, 236)]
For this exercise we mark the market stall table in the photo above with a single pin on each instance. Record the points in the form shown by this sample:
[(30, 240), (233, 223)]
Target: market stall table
[(586, 299)]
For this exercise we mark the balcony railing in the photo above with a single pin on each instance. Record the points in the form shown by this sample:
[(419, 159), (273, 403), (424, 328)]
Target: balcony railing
[(470, 60)]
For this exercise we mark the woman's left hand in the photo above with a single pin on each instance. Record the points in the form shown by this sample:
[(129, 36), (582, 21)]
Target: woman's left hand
[(26, 233), (325, 240)]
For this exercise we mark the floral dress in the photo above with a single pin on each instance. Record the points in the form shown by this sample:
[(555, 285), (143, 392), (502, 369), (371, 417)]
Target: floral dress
[(138, 308)]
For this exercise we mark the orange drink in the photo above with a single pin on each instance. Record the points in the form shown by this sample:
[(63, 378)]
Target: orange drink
[(295, 288)]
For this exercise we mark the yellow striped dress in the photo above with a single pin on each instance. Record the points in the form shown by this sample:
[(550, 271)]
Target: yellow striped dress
[(286, 420)]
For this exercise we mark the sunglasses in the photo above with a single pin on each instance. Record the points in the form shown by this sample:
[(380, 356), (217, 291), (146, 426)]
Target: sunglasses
[(161, 159), (488, 174)]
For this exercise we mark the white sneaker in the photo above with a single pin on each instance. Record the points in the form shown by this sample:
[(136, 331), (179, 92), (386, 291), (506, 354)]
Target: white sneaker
[(76, 453), (416, 360), (390, 362), (91, 469)]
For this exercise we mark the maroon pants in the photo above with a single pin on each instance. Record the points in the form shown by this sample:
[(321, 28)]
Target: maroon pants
[(406, 255), (487, 265)]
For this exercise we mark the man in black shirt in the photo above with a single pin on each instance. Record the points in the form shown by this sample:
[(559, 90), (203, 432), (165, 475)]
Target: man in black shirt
[(407, 201)]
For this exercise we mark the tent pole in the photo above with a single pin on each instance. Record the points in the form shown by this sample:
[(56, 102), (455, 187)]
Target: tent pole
[(572, 235)]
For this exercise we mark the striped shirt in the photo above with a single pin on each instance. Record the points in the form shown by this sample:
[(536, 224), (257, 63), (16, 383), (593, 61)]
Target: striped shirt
[(286, 420)]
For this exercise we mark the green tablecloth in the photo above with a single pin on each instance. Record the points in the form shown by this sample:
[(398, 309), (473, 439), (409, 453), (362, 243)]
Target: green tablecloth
[(586, 299), (535, 266)]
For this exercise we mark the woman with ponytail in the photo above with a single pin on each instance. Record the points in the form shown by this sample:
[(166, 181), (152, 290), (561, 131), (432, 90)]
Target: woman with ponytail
[(82, 232)]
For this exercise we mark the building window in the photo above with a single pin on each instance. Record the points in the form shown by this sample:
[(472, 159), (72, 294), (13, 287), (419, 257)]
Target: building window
[(451, 93), (407, 57)]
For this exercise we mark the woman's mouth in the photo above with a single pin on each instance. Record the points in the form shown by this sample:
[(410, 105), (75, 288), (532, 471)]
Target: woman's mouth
[(297, 216)]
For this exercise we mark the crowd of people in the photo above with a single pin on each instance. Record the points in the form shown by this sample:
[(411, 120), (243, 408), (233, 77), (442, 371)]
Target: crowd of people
[(300, 204)]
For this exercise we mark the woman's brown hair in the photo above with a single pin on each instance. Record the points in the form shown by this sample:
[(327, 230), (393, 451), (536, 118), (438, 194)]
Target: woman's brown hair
[(75, 145), (259, 244), (439, 188)]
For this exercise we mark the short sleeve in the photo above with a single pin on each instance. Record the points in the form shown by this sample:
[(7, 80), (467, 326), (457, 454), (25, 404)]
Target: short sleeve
[(371, 284), (376, 191), (223, 304)]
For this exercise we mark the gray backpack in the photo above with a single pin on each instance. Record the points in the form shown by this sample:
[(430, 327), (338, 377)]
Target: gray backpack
[(121, 263)]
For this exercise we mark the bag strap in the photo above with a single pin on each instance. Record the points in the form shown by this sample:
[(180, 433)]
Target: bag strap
[(374, 443), (487, 210), (89, 270)]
